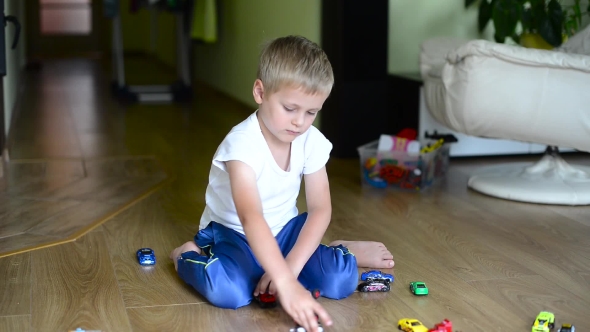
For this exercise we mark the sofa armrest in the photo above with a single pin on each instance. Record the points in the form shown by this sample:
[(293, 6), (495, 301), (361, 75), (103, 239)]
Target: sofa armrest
[(578, 43), (520, 55)]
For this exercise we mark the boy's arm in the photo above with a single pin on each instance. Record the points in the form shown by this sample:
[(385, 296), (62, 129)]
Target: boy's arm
[(319, 207), (295, 299), (249, 208)]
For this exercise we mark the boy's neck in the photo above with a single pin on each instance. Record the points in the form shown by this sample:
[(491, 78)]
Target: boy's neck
[(271, 140)]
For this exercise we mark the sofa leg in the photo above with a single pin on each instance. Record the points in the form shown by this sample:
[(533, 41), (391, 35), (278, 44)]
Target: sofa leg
[(551, 180)]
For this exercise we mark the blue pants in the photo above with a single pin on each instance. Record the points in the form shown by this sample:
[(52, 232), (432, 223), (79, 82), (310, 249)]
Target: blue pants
[(229, 273)]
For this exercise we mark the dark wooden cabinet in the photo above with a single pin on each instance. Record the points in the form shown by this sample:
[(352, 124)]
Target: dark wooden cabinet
[(2, 74), (355, 38)]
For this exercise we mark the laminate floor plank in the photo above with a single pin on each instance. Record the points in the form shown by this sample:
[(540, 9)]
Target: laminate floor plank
[(74, 285), (15, 323), (450, 296), (20, 215), (15, 285), (112, 190), (78, 217), (147, 224), (35, 187), (24, 241), (525, 297)]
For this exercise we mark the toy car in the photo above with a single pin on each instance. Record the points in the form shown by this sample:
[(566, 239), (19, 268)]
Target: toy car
[(302, 329), (444, 326), (418, 288), (544, 322), (374, 285), (374, 274), (411, 325), (567, 328), (266, 300), (146, 256), (316, 293)]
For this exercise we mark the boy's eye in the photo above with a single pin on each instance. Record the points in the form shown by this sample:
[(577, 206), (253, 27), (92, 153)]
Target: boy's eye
[(288, 109), (312, 113)]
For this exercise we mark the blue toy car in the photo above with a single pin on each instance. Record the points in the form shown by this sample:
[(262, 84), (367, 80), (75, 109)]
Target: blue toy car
[(146, 256), (374, 274)]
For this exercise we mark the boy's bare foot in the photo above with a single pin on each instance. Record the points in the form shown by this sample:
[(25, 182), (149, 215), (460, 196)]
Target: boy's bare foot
[(188, 246), (368, 254)]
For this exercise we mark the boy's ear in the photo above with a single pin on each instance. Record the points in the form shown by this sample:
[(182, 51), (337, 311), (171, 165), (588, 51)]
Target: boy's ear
[(258, 91)]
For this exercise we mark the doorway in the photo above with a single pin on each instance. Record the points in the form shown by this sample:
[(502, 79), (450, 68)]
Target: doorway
[(65, 28)]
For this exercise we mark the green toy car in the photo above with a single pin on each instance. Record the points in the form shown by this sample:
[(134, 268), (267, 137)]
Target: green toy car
[(418, 288), (544, 322)]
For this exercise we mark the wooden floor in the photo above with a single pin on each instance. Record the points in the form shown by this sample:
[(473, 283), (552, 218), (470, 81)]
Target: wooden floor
[(61, 182), (491, 265)]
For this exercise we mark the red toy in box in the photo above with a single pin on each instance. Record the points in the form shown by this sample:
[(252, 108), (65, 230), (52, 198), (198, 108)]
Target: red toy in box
[(444, 326), (408, 133)]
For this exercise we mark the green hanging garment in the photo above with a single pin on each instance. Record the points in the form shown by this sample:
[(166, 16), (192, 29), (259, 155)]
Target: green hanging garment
[(204, 25)]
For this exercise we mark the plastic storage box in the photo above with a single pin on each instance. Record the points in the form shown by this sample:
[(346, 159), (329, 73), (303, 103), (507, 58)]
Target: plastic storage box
[(401, 170)]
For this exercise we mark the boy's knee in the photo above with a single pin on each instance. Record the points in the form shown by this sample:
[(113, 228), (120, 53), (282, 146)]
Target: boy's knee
[(226, 293), (215, 285), (339, 284), (229, 300)]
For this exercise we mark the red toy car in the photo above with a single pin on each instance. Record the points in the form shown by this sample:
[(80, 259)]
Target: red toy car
[(444, 326), (266, 300), (316, 293)]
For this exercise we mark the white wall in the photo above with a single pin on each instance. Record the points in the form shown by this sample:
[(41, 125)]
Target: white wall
[(15, 59), (413, 21), (230, 64)]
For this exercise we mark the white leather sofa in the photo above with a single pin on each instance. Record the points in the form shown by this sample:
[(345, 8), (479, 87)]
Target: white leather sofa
[(507, 92)]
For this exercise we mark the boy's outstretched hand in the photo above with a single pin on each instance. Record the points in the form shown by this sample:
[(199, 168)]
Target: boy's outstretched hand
[(265, 286), (301, 306)]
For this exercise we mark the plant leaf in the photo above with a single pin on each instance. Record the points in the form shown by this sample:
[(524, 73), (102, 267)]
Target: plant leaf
[(538, 14), (485, 14), (505, 15), (548, 33), (527, 20), (499, 39), (552, 26), (470, 2), (555, 12)]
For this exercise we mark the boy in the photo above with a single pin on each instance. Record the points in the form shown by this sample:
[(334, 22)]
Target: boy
[(251, 238)]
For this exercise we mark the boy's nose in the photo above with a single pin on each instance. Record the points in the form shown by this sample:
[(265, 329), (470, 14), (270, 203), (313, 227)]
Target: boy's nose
[(298, 120)]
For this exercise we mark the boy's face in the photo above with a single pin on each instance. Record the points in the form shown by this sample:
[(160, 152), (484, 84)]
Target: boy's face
[(288, 112)]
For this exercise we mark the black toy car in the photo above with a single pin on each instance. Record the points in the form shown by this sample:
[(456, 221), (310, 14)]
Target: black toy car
[(374, 285), (567, 328)]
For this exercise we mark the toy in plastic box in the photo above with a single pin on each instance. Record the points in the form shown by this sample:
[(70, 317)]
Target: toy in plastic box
[(401, 169)]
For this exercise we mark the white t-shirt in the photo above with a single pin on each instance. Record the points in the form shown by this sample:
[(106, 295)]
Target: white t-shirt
[(278, 189)]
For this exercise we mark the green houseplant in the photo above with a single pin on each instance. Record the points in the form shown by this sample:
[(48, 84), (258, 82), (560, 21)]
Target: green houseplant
[(548, 19)]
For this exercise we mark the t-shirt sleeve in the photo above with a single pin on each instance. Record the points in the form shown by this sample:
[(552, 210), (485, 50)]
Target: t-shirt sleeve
[(317, 151), (238, 146)]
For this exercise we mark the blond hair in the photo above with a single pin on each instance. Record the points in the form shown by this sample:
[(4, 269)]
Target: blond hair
[(296, 62)]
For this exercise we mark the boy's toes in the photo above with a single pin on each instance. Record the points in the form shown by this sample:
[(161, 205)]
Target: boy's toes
[(390, 263), (387, 255), (383, 264)]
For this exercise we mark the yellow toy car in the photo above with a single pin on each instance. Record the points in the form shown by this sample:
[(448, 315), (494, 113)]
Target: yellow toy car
[(411, 325), (544, 322)]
